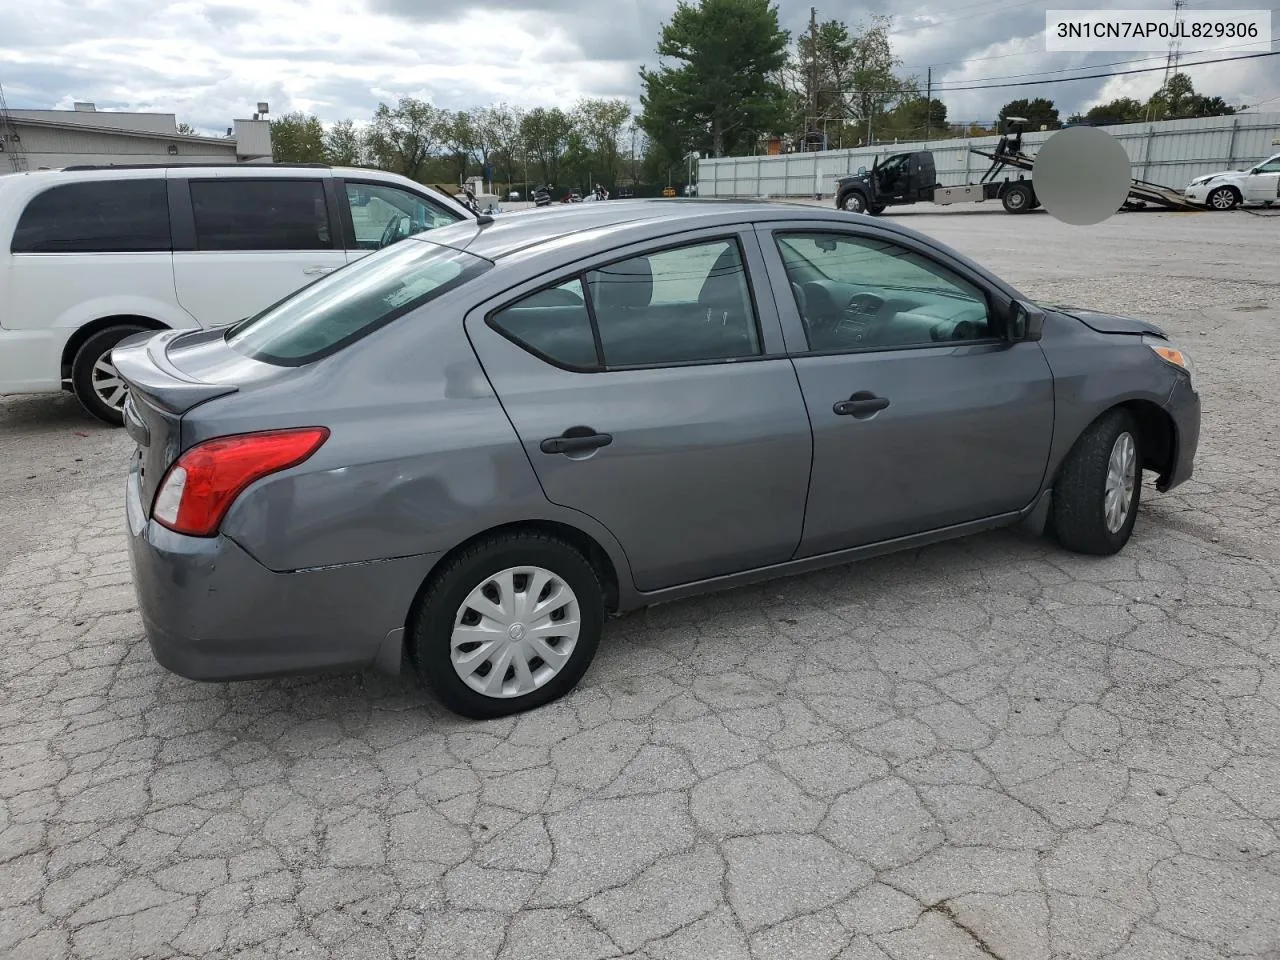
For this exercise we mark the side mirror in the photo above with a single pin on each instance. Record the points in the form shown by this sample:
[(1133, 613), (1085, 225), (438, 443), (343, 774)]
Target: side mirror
[(1025, 322), (862, 170)]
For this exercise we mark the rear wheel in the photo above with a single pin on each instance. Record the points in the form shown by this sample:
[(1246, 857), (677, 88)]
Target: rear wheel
[(853, 202), (1095, 501), (510, 624), (1223, 198), (1017, 198), (94, 378)]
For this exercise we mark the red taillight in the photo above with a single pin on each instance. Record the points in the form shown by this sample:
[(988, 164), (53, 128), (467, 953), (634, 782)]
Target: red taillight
[(200, 487)]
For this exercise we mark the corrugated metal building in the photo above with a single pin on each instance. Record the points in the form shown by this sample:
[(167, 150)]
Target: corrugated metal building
[(1171, 153), (43, 139)]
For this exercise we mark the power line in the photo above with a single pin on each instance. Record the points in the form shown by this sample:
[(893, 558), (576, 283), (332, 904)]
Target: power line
[(1117, 73), (1111, 63)]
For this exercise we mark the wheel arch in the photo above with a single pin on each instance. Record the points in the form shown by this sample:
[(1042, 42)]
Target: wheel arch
[(1157, 438), (584, 543), (87, 330)]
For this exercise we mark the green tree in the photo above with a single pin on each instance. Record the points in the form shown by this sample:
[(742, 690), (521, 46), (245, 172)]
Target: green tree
[(297, 138), (1121, 110), (343, 144), (457, 135), (502, 131), (725, 90), (600, 124), (187, 130), (913, 118), (1040, 112), (1177, 100), (404, 138), (545, 133)]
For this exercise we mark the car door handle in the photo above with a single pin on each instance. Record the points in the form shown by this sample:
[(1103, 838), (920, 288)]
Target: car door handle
[(575, 440), (317, 271), (861, 404)]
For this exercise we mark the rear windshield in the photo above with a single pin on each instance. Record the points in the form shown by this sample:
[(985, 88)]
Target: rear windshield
[(325, 316)]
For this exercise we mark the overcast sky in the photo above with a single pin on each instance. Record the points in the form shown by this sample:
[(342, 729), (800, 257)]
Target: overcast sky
[(210, 61)]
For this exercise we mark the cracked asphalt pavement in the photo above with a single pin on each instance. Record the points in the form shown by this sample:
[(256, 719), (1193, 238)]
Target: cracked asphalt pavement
[(987, 748)]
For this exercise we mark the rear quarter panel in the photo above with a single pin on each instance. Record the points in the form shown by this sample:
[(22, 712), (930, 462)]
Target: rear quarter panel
[(420, 458)]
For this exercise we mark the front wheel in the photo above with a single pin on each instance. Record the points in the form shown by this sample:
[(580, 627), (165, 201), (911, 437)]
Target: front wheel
[(94, 378), (853, 202), (1224, 198), (509, 624), (1095, 501)]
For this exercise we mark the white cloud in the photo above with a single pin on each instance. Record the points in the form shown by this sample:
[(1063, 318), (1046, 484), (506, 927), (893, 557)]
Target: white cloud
[(211, 61)]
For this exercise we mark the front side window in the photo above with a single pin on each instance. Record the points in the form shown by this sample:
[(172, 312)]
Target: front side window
[(98, 216), (382, 214), (276, 214), (862, 293), (325, 316), (1270, 166)]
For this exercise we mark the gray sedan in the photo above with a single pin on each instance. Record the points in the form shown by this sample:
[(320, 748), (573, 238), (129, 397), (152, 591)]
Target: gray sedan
[(469, 449)]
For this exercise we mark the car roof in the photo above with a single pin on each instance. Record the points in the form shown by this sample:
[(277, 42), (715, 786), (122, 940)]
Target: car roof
[(526, 230)]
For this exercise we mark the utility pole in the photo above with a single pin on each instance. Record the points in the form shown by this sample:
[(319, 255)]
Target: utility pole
[(928, 105)]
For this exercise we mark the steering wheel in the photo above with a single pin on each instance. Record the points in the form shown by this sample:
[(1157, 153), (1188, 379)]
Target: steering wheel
[(391, 232)]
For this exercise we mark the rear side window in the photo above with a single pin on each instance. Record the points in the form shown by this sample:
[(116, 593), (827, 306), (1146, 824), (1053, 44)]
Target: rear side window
[(237, 214), (322, 318), (99, 216), (553, 323)]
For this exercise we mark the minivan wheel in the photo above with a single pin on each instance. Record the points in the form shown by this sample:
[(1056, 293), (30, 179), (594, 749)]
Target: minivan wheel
[(94, 378), (1095, 501), (511, 623)]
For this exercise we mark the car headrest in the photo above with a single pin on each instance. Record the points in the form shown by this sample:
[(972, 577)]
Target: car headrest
[(626, 285)]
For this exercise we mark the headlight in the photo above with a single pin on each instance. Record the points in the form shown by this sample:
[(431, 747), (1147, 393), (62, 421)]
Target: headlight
[(1169, 352)]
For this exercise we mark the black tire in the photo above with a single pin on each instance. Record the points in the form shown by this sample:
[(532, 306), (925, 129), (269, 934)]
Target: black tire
[(83, 376), (432, 624), (1017, 198), (1079, 496), (1222, 199), (853, 202), (876, 209)]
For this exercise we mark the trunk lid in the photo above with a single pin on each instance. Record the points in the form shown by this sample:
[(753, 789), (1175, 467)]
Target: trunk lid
[(169, 374)]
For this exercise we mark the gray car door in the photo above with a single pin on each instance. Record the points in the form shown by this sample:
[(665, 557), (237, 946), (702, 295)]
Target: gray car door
[(668, 411), (923, 415)]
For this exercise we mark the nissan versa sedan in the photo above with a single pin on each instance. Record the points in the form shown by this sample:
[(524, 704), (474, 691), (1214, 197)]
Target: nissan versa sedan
[(467, 450)]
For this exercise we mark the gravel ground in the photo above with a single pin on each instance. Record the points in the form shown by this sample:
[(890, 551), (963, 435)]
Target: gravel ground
[(987, 748)]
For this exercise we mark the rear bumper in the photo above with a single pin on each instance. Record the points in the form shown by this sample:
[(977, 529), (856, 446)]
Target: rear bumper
[(213, 612), (1184, 406)]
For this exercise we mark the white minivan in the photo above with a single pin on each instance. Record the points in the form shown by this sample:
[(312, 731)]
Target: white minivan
[(90, 255)]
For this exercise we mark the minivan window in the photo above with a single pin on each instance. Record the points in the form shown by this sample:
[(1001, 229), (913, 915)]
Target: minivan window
[(96, 216), (331, 313), (275, 214), (381, 215)]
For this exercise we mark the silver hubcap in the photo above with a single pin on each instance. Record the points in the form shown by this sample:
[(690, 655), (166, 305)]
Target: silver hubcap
[(1223, 200), (515, 632), (853, 203), (1122, 477), (107, 384), (1016, 199)]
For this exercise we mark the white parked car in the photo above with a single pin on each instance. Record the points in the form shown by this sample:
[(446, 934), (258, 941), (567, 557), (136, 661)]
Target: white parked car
[(91, 255), (1227, 189)]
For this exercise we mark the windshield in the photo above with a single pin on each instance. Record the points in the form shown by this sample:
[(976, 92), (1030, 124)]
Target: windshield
[(324, 317)]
